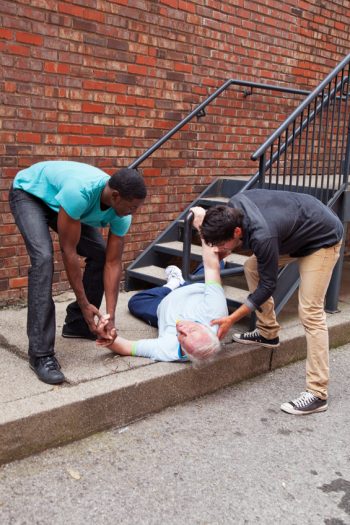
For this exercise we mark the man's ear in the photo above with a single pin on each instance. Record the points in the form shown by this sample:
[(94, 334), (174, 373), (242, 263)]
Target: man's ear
[(115, 195), (237, 232)]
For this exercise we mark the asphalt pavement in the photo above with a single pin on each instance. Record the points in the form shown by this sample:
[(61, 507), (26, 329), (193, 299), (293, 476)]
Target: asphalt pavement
[(231, 457)]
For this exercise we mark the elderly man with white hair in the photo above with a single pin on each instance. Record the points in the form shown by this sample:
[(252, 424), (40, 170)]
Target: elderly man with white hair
[(182, 312)]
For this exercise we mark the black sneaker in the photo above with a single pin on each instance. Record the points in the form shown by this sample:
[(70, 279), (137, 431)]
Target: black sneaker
[(47, 368), (73, 331), (306, 403), (254, 337)]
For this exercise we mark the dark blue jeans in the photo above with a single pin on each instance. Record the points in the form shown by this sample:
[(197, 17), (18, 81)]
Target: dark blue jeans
[(144, 304), (34, 220)]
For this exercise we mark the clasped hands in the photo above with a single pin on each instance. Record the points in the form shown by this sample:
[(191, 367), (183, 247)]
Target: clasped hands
[(100, 325)]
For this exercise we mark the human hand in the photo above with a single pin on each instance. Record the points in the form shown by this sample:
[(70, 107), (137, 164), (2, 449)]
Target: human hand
[(106, 331), (224, 323), (199, 214), (90, 313)]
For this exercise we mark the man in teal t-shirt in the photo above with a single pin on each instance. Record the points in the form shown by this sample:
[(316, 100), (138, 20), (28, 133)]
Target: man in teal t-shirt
[(73, 199)]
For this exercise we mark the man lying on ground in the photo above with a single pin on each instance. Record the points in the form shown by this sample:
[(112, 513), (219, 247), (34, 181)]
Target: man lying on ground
[(182, 313)]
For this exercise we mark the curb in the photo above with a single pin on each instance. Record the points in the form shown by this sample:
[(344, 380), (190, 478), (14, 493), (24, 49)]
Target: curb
[(64, 415)]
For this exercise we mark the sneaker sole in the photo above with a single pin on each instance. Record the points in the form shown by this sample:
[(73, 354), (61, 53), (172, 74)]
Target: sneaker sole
[(69, 336), (290, 410), (244, 342)]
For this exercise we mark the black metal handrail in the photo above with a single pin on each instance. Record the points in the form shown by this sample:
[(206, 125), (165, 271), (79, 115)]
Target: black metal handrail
[(304, 158), (310, 98), (199, 111)]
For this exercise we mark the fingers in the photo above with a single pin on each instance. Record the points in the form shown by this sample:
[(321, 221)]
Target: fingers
[(224, 326), (199, 214)]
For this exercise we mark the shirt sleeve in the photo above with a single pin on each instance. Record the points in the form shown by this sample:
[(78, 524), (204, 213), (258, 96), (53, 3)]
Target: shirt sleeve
[(214, 300), (120, 225), (165, 348)]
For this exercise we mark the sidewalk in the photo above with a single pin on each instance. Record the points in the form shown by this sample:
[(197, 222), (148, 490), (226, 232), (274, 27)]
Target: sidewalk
[(104, 390)]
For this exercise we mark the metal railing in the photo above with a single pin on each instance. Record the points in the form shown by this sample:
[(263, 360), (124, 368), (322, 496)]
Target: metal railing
[(310, 151), (199, 111)]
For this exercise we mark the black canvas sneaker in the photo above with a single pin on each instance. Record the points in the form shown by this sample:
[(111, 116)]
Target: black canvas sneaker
[(254, 337), (306, 403)]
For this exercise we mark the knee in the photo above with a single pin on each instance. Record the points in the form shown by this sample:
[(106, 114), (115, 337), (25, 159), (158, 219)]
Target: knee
[(133, 304), (42, 259), (312, 317)]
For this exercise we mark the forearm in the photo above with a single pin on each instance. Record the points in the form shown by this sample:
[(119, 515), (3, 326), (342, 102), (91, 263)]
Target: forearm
[(122, 346), (238, 314), (211, 263), (72, 266), (112, 277)]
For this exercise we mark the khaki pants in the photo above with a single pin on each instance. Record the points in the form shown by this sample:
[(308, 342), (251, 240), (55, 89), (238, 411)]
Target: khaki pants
[(315, 274)]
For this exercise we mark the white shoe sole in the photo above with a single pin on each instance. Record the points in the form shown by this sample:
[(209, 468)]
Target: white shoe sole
[(286, 407), (237, 339)]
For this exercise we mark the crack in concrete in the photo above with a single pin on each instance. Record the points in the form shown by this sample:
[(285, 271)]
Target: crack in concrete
[(12, 349)]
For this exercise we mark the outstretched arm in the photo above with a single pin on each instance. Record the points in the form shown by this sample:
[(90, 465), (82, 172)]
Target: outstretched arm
[(120, 345), (211, 261)]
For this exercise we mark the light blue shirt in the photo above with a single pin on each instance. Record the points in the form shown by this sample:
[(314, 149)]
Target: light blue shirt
[(74, 186), (199, 302)]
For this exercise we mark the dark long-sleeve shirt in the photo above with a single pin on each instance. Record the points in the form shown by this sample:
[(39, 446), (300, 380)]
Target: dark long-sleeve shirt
[(279, 223)]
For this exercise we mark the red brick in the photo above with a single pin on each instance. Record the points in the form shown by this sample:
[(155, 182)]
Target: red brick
[(29, 137), (18, 282), (28, 38), (89, 107), (81, 12), (19, 50), (7, 34)]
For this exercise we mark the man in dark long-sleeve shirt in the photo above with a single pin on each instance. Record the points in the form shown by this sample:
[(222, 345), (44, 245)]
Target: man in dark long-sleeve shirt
[(279, 226)]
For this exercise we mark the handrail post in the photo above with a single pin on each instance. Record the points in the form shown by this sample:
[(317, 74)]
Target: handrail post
[(262, 167)]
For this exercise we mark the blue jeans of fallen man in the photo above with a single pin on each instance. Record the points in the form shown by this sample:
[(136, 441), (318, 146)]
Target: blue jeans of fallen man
[(34, 220), (144, 304)]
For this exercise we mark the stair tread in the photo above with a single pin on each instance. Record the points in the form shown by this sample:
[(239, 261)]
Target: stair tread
[(233, 258), (215, 198), (157, 273)]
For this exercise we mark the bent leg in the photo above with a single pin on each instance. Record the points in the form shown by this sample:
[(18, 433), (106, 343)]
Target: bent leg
[(144, 304), (266, 319)]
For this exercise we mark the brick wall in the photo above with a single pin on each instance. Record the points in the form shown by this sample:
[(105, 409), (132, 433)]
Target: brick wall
[(98, 81)]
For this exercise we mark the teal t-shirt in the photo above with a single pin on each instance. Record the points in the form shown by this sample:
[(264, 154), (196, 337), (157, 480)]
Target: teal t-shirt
[(74, 186)]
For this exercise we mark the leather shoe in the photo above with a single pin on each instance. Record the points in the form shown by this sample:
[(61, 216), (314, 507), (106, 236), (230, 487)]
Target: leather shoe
[(47, 368), (72, 331)]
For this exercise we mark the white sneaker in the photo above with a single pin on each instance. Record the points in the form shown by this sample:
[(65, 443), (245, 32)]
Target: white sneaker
[(174, 277), (306, 403)]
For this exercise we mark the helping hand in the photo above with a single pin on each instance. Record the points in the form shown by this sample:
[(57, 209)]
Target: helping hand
[(90, 312), (224, 323), (106, 331), (199, 214)]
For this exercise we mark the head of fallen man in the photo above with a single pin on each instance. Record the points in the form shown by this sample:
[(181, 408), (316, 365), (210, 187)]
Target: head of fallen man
[(197, 340)]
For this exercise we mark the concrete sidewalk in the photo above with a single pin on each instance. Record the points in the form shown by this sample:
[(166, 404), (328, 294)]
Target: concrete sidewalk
[(104, 390)]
